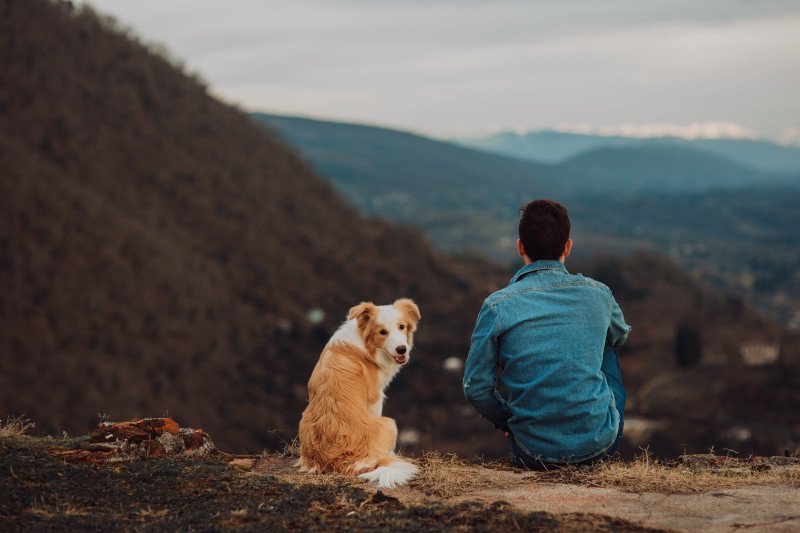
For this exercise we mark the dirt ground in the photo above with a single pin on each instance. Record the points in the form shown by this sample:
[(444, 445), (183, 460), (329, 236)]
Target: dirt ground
[(725, 500), (42, 492), (39, 490)]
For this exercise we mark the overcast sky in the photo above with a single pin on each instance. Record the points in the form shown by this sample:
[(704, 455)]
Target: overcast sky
[(461, 67)]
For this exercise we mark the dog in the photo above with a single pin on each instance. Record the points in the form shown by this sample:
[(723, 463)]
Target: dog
[(342, 429)]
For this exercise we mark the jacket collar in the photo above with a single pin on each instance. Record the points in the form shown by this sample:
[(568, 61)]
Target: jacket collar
[(549, 264)]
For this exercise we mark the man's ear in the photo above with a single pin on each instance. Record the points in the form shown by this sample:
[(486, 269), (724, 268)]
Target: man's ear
[(363, 312), (408, 308), (567, 248), (520, 248)]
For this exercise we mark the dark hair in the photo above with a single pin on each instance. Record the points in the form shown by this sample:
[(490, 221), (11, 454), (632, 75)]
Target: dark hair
[(543, 229)]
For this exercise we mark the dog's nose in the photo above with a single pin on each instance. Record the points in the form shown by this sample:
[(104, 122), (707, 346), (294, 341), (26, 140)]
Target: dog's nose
[(402, 349)]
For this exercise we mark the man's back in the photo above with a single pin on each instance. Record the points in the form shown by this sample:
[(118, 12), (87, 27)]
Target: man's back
[(549, 332)]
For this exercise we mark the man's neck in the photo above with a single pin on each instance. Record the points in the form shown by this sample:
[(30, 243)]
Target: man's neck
[(526, 260)]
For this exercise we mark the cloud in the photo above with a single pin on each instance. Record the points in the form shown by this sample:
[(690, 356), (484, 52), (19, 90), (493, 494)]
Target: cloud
[(695, 130), (447, 67), (790, 137)]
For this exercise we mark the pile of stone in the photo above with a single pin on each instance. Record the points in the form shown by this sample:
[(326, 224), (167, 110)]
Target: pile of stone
[(138, 439)]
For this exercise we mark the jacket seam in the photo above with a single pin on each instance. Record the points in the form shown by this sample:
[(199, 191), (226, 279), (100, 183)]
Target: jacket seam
[(538, 289), (517, 277)]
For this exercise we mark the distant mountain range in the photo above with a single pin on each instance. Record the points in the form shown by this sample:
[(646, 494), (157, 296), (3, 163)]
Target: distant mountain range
[(665, 168), (719, 217), (550, 146)]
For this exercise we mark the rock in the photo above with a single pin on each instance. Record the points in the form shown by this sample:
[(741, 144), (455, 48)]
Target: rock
[(83, 456), (172, 443), (153, 448), (135, 430), (142, 438), (103, 446), (196, 440)]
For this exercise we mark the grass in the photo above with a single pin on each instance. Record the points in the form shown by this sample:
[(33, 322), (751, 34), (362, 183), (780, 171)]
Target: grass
[(291, 449), (56, 508), (148, 513), (646, 474), (448, 476), (15, 426)]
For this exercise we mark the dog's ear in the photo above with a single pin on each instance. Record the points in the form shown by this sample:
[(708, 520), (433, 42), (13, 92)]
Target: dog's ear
[(363, 312), (408, 307)]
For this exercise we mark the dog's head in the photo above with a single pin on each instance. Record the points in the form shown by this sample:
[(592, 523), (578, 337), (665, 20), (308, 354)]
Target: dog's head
[(387, 330)]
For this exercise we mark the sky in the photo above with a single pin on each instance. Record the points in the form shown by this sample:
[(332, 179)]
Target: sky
[(457, 68)]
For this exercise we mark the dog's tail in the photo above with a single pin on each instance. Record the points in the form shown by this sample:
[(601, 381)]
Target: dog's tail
[(391, 471)]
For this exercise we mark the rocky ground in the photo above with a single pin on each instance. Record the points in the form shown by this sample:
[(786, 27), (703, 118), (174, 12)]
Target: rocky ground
[(153, 475)]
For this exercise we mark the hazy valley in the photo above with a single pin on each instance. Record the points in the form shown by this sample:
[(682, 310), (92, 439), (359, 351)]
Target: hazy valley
[(729, 224)]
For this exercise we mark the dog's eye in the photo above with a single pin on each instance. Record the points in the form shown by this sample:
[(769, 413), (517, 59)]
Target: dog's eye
[(402, 326), (384, 332)]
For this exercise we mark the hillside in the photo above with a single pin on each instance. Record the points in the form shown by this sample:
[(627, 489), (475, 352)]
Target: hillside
[(162, 253), (455, 194), (549, 146)]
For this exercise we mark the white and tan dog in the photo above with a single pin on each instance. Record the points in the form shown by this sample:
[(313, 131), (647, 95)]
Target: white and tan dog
[(342, 429)]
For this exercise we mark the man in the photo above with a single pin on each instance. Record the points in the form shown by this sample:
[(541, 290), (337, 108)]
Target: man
[(553, 335)]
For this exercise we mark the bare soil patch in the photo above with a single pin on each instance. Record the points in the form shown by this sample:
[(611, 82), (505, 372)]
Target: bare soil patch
[(41, 491)]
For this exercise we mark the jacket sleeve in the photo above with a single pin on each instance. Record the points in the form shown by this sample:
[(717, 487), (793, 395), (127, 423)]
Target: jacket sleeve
[(618, 330), (481, 368)]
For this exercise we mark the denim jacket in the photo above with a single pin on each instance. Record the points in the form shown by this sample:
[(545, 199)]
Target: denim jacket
[(549, 332)]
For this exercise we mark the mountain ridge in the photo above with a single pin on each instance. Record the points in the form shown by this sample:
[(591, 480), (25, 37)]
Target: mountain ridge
[(553, 146), (666, 168)]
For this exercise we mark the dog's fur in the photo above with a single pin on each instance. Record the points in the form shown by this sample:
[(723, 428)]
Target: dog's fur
[(342, 429)]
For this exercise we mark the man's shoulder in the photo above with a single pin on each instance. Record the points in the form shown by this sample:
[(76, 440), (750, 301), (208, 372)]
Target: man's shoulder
[(593, 282), (527, 284), (498, 296)]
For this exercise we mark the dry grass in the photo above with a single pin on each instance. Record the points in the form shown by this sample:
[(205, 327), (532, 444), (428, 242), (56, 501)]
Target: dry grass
[(645, 474), (283, 466), (15, 427), (446, 475), (148, 513), (56, 508), (291, 449)]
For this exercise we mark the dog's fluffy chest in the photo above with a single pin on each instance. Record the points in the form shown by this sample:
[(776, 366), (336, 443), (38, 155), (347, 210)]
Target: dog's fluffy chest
[(376, 408), (384, 377)]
